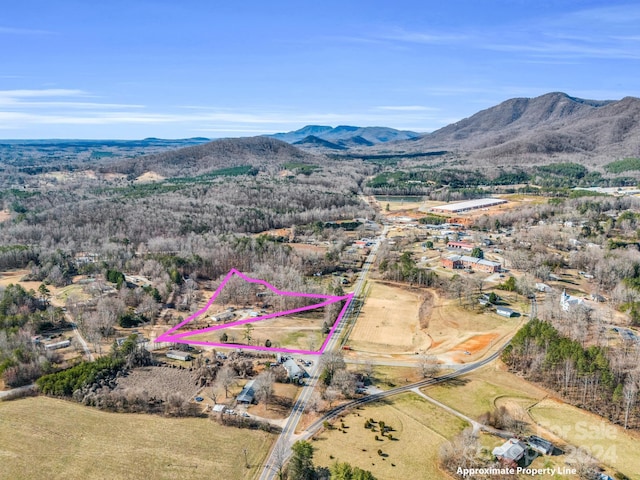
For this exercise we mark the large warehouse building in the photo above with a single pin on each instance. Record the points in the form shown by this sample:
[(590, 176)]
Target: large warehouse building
[(468, 205)]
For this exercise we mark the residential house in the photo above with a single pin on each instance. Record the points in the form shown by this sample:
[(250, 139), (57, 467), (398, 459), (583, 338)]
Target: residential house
[(247, 395), (511, 452)]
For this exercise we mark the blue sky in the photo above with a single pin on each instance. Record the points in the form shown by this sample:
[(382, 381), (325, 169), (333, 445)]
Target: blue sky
[(174, 69)]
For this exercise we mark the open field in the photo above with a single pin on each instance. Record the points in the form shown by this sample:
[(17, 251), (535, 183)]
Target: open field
[(456, 330), (399, 202), (299, 331), (611, 444), (15, 277), (419, 428), (70, 441), (388, 322), (483, 389)]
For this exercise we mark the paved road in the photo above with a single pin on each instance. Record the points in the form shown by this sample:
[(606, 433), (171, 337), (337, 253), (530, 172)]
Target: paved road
[(287, 436)]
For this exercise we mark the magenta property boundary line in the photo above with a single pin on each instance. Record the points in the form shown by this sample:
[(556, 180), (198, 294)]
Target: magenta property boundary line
[(328, 299)]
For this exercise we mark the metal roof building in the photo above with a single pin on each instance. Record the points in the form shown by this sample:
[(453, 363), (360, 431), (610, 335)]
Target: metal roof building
[(247, 394), (468, 205)]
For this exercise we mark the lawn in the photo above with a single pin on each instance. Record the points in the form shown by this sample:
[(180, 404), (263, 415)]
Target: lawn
[(59, 439), (419, 429)]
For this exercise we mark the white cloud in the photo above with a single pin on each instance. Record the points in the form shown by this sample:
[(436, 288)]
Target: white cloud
[(406, 108), (46, 92)]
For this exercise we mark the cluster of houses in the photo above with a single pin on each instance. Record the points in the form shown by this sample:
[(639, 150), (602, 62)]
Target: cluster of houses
[(457, 261), (295, 372)]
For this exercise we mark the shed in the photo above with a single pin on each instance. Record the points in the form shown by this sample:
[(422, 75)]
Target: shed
[(505, 312), (219, 408), (510, 452), (247, 394), (178, 355)]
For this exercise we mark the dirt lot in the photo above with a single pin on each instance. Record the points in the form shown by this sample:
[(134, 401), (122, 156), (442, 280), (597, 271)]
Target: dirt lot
[(15, 277), (159, 381), (388, 326), (419, 428), (147, 177), (70, 441)]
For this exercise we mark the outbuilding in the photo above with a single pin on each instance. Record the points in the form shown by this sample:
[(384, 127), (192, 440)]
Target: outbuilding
[(57, 345), (505, 312), (222, 317), (178, 355), (540, 445)]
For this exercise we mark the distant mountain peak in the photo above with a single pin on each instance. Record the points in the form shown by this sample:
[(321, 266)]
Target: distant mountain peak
[(343, 136)]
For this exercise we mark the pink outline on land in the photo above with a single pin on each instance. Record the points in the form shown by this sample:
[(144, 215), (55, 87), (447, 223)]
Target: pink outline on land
[(329, 299)]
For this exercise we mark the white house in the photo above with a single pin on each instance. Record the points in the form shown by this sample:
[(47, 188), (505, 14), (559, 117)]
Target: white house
[(567, 301)]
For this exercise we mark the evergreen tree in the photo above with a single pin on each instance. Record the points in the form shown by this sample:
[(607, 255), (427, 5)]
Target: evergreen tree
[(301, 464)]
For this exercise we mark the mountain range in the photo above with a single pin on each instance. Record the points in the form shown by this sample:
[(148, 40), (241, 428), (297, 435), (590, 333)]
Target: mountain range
[(343, 136), (554, 125)]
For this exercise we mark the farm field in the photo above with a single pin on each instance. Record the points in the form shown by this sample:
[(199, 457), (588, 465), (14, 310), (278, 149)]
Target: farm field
[(388, 322), (611, 444), (483, 389), (70, 441), (419, 429)]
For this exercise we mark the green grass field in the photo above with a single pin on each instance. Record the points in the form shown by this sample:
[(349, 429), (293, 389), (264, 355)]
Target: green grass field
[(609, 443), (419, 430), (42, 437), (477, 393)]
